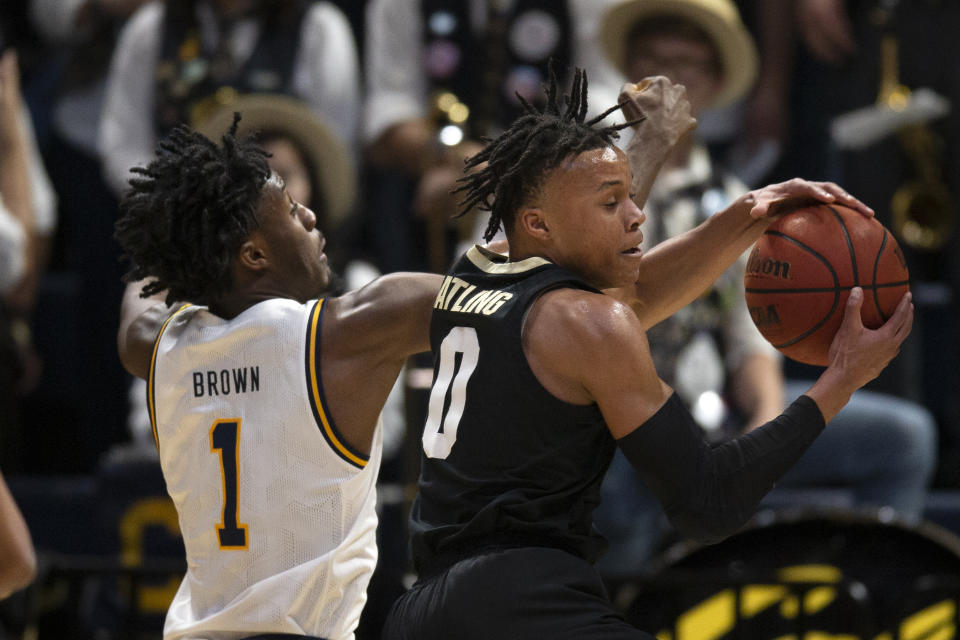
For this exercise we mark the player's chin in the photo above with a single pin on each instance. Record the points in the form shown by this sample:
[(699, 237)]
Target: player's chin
[(630, 260), (324, 275), (625, 274)]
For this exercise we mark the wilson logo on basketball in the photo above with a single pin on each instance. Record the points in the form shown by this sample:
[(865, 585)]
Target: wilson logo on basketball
[(759, 265)]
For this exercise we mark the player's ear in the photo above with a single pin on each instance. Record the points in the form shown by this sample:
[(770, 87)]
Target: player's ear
[(253, 254), (531, 221)]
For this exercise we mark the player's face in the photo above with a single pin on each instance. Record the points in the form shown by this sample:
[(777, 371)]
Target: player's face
[(594, 225), (295, 245)]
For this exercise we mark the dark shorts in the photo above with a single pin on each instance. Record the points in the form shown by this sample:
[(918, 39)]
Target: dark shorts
[(510, 594)]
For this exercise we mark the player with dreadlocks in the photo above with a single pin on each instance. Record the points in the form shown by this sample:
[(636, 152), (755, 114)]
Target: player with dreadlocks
[(513, 166), (539, 374), (264, 396)]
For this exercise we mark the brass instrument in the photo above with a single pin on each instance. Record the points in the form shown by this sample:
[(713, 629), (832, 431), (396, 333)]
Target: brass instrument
[(923, 207)]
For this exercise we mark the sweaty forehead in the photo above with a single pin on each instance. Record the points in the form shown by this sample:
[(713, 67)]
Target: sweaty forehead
[(594, 158), (273, 189), (274, 182), (272, 197), (595, 165)]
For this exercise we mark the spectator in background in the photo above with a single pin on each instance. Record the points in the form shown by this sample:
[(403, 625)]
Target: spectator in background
[(826, 58), (177, 61), (82, 388), (27, 219), (83, 34), (882, 448)]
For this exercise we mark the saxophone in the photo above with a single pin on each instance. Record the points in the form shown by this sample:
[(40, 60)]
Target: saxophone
[(922, 208)]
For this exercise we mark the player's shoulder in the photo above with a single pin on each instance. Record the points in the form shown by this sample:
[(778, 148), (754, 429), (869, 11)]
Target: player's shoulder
[(581, 336), (589, 315)]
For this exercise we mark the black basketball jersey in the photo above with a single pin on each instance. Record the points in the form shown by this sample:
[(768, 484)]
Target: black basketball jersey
[(505, 462)]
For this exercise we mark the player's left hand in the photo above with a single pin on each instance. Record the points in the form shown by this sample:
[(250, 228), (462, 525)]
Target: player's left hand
[(775, 200)]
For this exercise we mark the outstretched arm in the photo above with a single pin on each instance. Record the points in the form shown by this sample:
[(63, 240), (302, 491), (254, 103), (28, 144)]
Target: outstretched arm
[(708, 492), (140, 323), (678, 270), (391, 314)]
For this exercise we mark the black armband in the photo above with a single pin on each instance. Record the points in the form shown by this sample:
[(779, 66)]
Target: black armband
[(709, 492)]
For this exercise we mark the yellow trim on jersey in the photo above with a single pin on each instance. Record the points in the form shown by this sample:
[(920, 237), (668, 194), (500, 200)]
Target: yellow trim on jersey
[(315, 390), (151, 409), (493, 262)]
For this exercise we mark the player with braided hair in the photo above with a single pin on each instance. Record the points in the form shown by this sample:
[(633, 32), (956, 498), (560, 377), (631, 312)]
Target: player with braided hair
[(540, 373), (512, 167), (264, 395), (189, 256)]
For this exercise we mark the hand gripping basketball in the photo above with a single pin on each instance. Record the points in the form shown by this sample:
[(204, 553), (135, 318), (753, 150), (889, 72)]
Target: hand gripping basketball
[(804, 266), (862, 353), (775, 200)]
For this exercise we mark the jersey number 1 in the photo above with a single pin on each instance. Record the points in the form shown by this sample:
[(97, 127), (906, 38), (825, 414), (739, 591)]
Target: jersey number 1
[(440, 431), (224, 438)]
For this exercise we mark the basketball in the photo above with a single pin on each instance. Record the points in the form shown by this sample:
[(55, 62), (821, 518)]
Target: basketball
[(801, 270)]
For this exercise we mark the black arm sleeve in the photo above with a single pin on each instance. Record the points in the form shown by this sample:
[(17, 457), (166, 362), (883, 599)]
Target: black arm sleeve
[(710, 492)]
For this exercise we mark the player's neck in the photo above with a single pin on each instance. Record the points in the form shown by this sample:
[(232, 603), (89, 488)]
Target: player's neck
[(231, 305), (523, 248), (228, 308)]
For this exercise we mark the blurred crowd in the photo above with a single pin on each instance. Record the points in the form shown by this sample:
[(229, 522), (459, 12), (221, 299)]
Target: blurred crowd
[(370, 108)]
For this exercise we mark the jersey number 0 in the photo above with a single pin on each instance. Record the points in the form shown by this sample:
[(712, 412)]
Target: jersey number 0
[(459, 352)]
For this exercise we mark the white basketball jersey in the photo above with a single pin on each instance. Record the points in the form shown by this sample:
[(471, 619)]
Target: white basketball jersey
[(277, 512)]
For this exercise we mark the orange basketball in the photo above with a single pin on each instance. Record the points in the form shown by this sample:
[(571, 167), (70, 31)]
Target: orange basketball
[(801, 271)]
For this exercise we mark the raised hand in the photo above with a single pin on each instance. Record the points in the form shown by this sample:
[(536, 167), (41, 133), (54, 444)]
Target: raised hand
[(663, 104), (667, 120)]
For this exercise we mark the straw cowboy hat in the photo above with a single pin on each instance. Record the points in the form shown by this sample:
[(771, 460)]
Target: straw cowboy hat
[(333, 167), (718, 18)]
